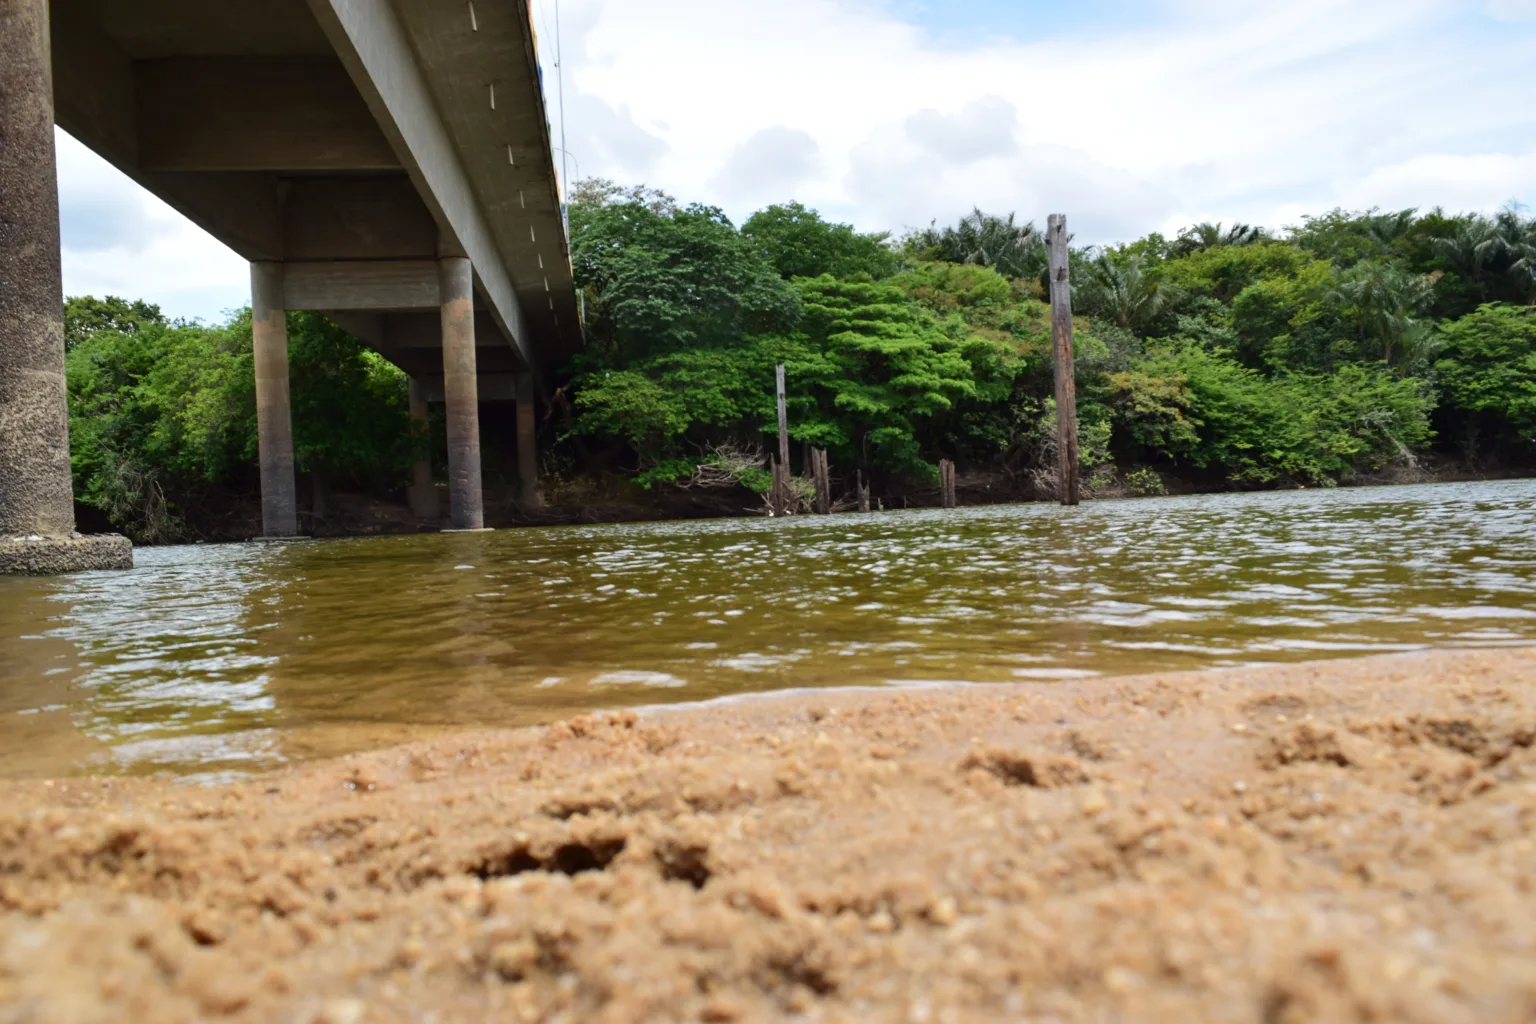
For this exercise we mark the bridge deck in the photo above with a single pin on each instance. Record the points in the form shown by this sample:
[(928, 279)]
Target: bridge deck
[(353, 141)]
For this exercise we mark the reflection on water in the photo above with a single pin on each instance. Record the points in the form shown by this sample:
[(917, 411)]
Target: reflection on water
[(219, 659)]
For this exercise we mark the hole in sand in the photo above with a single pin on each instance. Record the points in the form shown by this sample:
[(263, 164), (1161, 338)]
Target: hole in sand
[(569, 859), (684, 863)]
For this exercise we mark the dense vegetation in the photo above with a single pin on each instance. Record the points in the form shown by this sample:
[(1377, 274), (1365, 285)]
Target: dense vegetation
[(1352, 345), (1225, 356), (163, 415)]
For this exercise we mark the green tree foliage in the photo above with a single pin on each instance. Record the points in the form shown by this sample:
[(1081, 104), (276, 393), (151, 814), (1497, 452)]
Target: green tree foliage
[(1486, 372), (1233, 353), (1122, 288), (1257, 429), (1230, 356), (659, 279), (1013, 249), (878, 363), (163, 418), (1200, 237), (801, 244), (86, 316)]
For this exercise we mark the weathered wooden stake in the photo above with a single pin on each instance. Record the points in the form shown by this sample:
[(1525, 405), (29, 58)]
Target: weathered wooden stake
[(821, 475), (778, 491), (863, 493), (779, 497), (783, 419), (1066, 379), (947, 483)]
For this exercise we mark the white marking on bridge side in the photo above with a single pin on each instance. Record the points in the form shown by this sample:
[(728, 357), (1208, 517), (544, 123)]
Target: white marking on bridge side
[(531, 236), (520, 200), (493, 95), (510, 158), (541, 261), (474, 24), (546, 284)]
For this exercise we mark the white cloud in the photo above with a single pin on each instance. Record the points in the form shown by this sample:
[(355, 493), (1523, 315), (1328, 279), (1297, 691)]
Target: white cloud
[(768, 167), (1220, 110), (1475, 182), (1226, 111), (985, 128), (120, 240)]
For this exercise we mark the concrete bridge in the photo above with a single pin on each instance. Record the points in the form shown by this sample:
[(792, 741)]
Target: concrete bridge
[(386, 162)]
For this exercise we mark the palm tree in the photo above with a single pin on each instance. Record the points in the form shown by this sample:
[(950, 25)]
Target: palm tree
[(1121, 289), (1518, 245), (1387, 304), (1206, 235), (1476, 243), (1010, 248)]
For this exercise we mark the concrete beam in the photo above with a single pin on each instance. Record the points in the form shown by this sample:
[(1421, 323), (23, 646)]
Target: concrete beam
[(415, 331), (223, 114), (356, 218), (370, 41), (492, 387), (93, 86), (362, 285)]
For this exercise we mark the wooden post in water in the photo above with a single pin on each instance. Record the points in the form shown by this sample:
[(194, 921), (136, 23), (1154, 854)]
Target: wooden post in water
[(783, 418), (1066, 373), (779, 497), (821, 475), (947, 483), (863, 493)]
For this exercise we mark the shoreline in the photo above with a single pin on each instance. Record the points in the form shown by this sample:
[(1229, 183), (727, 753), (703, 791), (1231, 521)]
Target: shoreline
[(1334, 840), (371, 515)]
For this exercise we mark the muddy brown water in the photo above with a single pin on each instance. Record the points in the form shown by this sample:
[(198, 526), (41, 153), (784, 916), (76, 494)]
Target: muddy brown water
[(213, 660)]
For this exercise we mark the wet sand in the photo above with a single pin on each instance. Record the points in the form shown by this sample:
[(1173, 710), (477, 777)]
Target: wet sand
[(1324, 842)]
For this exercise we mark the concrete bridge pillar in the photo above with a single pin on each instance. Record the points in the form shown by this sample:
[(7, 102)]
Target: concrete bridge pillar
[(274, 417), (37, 509), (423, 493), (466, 500), (527, 445)]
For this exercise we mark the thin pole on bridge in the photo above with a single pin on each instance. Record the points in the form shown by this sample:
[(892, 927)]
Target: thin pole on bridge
[(565, 156), (1066, 370)]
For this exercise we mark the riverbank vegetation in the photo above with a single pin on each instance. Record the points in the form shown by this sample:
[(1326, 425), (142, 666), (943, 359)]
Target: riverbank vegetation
[(1350, 347)]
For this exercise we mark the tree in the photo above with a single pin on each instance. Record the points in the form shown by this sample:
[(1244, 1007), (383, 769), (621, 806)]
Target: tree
[(1486, 373), (659, 280), (1122, 289), (1203, 236), (1012, 249), (163, 419), (879, 364), (1386, 303), (801, 244), (86, 316)]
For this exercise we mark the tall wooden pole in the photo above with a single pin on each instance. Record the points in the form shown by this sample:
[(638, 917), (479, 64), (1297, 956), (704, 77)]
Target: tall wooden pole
[(780, 499), (783, 420), (1066, 372)]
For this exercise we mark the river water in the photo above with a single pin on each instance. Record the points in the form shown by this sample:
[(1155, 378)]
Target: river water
[(212, 660)]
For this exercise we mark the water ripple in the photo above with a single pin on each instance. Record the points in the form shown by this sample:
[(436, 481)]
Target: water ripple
[(219, 659)]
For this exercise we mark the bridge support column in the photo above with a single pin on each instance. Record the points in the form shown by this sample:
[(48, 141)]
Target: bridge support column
[(37, 506), (527, 445), (274, 416), (466, 500), (423, 493)]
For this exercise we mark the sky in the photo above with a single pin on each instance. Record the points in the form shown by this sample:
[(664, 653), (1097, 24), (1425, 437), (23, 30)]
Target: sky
[(1130, 116)]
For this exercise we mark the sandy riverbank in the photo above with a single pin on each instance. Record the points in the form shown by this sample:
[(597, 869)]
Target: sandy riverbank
[(1334, 841)]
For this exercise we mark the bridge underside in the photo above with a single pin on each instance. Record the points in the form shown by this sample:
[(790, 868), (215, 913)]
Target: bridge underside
[(337, 132), (354, 151)]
